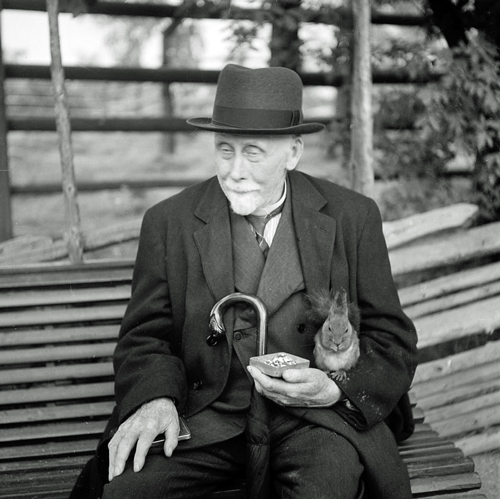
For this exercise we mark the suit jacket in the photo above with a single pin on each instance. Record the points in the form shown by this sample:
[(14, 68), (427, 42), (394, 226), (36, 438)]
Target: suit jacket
[(185, 265)]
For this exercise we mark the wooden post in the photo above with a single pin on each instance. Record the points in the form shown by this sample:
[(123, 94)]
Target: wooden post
[(5, 201), (285, 42), (168, 105), (72, 216), (361, 105)]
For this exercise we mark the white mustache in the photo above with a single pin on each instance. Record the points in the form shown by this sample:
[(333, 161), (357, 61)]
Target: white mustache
[(238, 190)]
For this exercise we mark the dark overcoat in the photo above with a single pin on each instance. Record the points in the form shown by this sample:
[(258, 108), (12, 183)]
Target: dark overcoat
[(185, 265)]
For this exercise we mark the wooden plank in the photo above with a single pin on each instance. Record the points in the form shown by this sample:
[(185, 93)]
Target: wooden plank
[(486, 441), (475, 318), (451, 453), (475, 420), (458, 394), (63, 494), (448, 483), (454, 300), (65, 448), (51, 431), (59, 353), (56, 412), (57, 274), (435, 449), (73, 295), (15, 482), (414, 227), (6, 231), (20, 468), (57, 393), (464, 495), (457, 363), (53, 316), (461, 408), (469, 378), (361, 154), (451, 283), (59, 335), (21, 243), (454, 466), (423, 443), (55, 373), (447, 250)]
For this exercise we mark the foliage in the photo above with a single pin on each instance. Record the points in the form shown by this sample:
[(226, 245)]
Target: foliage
[(465, 109)]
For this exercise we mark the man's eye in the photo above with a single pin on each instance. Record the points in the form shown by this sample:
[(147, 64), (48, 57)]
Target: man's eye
[(226, 152), (253, 154)]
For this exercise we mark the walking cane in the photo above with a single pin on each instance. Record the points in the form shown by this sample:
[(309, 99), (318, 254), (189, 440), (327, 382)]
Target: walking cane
[(257, 428)]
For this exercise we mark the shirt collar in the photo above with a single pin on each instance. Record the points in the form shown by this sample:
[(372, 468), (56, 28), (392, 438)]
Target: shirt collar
[(262, 212)]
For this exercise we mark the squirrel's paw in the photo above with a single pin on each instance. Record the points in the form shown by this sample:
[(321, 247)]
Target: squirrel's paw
[(339, 375)]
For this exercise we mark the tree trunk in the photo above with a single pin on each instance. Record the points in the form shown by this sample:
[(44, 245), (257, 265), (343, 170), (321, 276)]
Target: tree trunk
[(361, 105), (72, 216), (5, 202), (285, 41)]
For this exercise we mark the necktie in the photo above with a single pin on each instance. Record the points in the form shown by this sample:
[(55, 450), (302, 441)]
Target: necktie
[(258, 224)]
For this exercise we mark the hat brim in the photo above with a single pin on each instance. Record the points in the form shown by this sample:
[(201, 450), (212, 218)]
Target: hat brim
[(303, 128)]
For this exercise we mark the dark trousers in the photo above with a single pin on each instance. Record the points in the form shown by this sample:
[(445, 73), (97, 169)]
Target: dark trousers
[(307, 461)]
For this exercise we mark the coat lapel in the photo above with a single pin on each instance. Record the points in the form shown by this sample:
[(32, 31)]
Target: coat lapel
[(213, 241), (315, 233), (282, 275)]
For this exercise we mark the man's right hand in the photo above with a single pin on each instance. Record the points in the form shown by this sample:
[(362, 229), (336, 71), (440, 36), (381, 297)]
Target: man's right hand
[(151, 419)]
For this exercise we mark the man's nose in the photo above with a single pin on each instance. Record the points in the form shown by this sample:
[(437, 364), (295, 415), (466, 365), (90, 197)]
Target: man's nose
[(239, 167)]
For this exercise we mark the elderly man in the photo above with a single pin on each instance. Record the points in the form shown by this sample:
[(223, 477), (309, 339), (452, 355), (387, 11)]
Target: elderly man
[(328, 438)]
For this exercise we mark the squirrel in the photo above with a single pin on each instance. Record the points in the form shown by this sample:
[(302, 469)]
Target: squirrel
[(336, 342)]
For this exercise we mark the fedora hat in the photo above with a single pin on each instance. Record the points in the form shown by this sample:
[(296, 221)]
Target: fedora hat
[(257, 101)]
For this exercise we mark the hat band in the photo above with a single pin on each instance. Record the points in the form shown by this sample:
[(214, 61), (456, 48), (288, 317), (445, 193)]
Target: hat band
[(255, 118)]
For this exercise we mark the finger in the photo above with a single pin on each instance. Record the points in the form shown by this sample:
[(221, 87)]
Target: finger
[(112, 447), (142, 448), (171, 438), (298, 375), (259, 377), (123, 449)]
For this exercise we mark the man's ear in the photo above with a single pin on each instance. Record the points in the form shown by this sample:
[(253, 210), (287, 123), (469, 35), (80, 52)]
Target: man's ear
[(297, 147)]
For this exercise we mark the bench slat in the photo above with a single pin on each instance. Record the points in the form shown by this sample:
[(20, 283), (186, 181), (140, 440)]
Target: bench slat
[(52, 316), (462, 408), (479, 317), (57, 393), (455, 300), (18, 468), (55, 413), (446, 483), (458, 362), (470, 377), (59, 353), (31, 276), (59, 335), (459, 394), (54, 373), (66, 448), (450, 283), (51, 431), (23, 299), (441, 467)]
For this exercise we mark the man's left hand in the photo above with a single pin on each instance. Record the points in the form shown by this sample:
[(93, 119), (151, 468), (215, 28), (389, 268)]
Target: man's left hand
[(297, 388)]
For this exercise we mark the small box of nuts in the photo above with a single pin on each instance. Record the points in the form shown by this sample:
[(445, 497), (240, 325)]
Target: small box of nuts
[(273, 364)]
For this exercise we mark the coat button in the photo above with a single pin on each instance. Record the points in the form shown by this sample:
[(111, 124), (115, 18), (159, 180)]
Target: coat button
[(301, 328), (237, 336)]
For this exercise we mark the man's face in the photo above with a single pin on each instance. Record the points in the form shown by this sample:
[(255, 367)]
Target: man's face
[(252, 168)]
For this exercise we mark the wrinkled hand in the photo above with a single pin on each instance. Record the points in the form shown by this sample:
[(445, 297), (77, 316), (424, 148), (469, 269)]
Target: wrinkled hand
[(297, 388), (151, 419)]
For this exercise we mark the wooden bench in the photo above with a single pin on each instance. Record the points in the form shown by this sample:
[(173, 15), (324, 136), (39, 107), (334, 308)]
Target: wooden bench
[(58, 327)]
